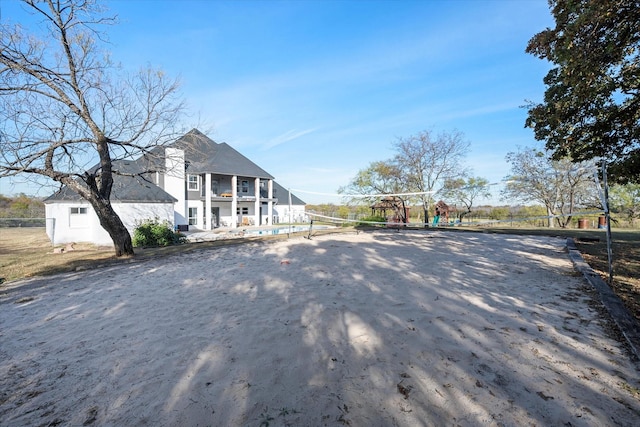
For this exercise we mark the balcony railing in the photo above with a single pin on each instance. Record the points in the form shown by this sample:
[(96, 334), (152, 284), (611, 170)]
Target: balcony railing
[(227, 196)]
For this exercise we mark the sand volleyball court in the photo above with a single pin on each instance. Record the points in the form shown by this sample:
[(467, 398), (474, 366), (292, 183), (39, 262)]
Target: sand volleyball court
[(370, 329)]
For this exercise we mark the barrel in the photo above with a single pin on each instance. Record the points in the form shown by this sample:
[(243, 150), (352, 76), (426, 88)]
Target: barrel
[(583, 223), (602, 222)]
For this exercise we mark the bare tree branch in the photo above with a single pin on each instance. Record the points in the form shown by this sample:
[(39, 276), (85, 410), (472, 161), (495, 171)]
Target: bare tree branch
[(68, 114)]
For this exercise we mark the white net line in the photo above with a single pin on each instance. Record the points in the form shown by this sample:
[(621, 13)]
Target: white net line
[(457, 224), (417, 193), (454, 222)]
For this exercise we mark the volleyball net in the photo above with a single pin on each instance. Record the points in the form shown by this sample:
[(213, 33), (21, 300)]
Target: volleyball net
[(540, 220), (411, 213)]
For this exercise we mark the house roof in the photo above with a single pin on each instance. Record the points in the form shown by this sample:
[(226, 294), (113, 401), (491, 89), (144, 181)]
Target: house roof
[(204, 156), (207, 156), (282, 194), (125, 189)]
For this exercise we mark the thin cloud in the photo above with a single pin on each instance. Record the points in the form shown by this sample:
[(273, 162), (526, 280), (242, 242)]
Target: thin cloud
[(287, 137)]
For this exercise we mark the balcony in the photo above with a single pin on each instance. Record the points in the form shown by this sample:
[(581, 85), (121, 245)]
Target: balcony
[(228, 196)]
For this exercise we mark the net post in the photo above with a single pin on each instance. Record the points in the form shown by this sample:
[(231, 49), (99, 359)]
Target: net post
[(607, 216), (310, 228)]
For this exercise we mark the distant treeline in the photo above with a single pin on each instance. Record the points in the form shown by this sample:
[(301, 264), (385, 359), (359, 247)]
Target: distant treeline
[(519, 215), (21, 206), (415, 212)]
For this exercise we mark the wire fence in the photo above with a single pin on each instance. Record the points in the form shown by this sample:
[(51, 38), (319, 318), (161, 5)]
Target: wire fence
[(22, 222)]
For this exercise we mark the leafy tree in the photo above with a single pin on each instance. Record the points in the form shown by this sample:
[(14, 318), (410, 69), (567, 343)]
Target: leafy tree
[(423, 162), (5, 202), (466, 192), (427, 159), (532, 212), (343, 212), (382, 177), (591, 105), (20, 205), (559, 185), (625, 199), (64, 107), (499, 213)]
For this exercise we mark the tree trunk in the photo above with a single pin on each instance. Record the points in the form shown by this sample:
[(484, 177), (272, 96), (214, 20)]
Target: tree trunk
[(111, 222), (426, 217), (550, 219), (404, 213)]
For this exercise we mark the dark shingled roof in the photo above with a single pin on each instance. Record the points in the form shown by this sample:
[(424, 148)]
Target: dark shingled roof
[(206, 156), (125, 189), (282, 194)]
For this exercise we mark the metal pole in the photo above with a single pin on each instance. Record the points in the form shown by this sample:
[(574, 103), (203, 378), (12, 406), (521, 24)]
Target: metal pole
[(608, 219), (289, 211), (310, 228)]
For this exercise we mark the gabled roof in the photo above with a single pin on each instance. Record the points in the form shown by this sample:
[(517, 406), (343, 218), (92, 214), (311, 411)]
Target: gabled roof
[(282, 194), (125, 189), (203, 156), (206, 156)]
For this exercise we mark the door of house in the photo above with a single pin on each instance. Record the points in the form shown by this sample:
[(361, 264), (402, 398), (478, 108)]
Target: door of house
[(215, 217)]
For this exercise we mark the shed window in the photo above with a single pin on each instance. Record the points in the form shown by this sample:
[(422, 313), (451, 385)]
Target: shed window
[(78, 217)]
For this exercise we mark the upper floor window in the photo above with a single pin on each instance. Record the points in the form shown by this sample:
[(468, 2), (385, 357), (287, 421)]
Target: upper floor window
[(243, 187), (193, 182)]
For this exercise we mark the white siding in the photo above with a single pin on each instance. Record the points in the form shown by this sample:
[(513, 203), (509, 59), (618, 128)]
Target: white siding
[(281, 214), (66, 230), (200, 220), (175, 182)]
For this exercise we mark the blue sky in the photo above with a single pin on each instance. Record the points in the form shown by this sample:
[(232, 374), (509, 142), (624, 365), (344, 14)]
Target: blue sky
[(314, 91)]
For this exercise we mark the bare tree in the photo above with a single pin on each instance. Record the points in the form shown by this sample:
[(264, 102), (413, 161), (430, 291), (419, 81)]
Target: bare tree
[(68, 114), (428, 159), (559, 185)]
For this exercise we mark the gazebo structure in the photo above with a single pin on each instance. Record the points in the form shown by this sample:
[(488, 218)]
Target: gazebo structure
[(400, 212)]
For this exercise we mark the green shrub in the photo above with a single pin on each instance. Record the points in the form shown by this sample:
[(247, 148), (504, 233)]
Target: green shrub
[(151, 232), (367, 220), (499, 213)]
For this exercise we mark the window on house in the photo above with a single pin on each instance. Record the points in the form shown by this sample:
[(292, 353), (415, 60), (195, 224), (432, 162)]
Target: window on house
[(244, 210), (243, 187), (78, 217), (193, 182), (193, 216), (214, 186)]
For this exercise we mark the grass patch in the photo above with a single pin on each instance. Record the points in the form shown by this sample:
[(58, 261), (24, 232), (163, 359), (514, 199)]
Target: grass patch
[(27, 252)]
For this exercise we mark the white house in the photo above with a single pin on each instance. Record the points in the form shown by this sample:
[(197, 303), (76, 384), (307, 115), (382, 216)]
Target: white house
[(194, 183)]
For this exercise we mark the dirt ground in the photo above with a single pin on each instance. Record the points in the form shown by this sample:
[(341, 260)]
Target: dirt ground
[(626, 255), (363, 329)]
